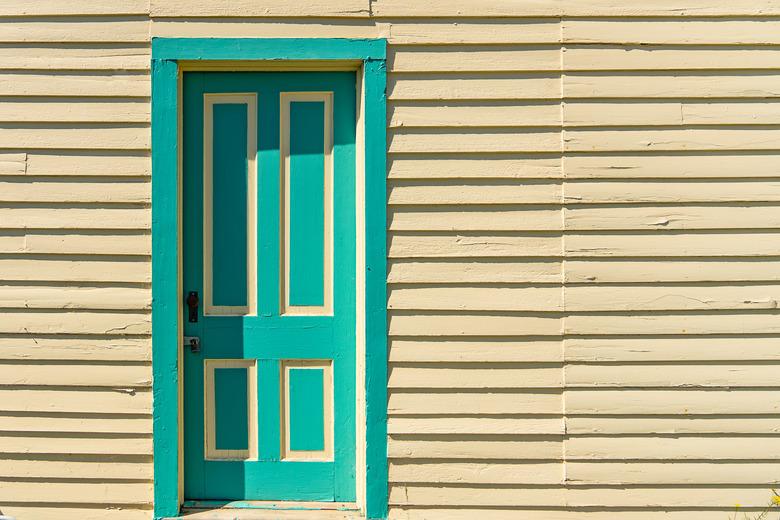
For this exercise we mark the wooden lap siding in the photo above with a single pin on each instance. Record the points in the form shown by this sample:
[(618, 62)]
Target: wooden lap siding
[(583, 283)]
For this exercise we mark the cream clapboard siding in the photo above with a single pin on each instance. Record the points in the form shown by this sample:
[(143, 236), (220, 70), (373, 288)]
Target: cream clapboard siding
[(581, 226), (75, 374)]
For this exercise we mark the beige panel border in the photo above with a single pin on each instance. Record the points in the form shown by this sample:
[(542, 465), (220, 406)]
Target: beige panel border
[(285, 98), (326, 365), (250, 100), (209, 429)]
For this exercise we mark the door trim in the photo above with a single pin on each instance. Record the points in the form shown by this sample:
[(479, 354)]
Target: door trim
[(172, 56)]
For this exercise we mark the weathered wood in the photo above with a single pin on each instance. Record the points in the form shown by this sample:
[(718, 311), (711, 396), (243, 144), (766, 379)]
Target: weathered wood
[(673, 349), (650, 298), (475, 58), (411, 193), (452, 448), (465, 246), (530, 218), (441, 87), (486, 350), (459, 324), (242, 8), (480, 298), (412, 114), (672, 85), (482, 404), (477, 473), (482, 271), (528, 376), (484, 166)]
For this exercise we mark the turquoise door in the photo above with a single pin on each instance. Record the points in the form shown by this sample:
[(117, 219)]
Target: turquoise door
[(269, 281)]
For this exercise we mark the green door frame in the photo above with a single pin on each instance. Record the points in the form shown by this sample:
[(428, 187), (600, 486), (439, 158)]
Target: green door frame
[(168, 55)]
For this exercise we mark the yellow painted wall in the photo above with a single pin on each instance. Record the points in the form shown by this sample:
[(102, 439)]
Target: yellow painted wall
[(583, 238)]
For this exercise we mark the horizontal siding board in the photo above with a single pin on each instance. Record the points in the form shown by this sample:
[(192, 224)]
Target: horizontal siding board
[(74, 322), (70, 297), (234, 8), (460, 324), (101, 469), (78, 492), (91, 375), (485, 350), (489, 141), (669, 191), (73, 445), (477, 473), (482, 404), (674, 349), (67, 348), (671, 448), (470, 246), (578, 8), (656, 246), (76, 29), (71, 57), (672, 402), (634, 500), (679, 473), (58, 8), (672, 139), (529, 218), (671, 85), (665, 375), (479, 425), (263, 27), (67, 512), (483, 193), (75, 110), (75, 242), (473, 115), (454, 378), (667, 57), (454, 448), (722, 322), (713, 270), (89, 163), (55, 268), (478, 298), (411, 86), (673, 30), (632, 298), (674, 425), (491, 58), (752, 217), (670, 112), (116, 401), (671, 166), (36, 189), (85, 84), (101, 137), (476, 31), (68, 424), (53, 217), (481, 271), (483, 166)]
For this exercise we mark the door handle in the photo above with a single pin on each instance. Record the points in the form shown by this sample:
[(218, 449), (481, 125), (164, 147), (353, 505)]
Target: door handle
[(192, 304)]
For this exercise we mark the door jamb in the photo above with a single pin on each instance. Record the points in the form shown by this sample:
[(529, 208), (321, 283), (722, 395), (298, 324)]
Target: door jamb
[(170, 57)]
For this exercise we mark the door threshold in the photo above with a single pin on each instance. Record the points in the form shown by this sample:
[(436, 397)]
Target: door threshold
[(263, 510)]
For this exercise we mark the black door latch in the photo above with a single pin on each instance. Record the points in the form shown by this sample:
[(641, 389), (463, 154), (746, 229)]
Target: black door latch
[(192, 304)]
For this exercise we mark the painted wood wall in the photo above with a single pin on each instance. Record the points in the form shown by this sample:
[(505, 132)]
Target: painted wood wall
[(582, 224)]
